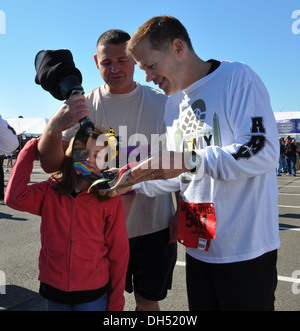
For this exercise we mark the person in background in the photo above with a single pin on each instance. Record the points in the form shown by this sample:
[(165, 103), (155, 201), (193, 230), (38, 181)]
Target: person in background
[(290, 152), (84, 243), (8, 143), (281, 163), (298, 148), (9, 162), (122, 103)]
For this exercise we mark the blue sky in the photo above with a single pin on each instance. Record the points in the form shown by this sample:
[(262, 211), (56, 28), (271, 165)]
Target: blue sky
[(257, 32)]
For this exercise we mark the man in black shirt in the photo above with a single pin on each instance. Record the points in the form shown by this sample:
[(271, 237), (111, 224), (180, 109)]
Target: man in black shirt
[(290, 152)]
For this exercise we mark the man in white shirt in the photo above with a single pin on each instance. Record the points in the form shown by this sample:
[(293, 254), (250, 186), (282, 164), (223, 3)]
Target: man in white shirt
[(8, 140), (8, 143), (221, 128)]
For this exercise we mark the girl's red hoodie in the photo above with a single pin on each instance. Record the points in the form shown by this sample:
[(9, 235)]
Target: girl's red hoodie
[(84, 242)]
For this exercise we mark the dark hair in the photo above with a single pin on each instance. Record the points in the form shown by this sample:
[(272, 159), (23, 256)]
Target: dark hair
[(113, 36), (161, 31)]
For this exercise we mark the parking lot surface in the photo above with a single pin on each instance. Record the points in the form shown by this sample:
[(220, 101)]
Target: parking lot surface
[(20, 245)]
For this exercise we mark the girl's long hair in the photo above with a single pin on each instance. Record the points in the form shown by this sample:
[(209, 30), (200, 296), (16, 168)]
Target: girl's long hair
[(66, 177)]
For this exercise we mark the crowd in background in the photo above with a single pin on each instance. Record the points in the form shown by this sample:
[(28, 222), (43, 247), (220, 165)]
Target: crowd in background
[(288, 156)]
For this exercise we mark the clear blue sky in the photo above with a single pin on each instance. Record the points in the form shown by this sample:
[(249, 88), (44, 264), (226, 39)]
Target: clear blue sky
[(257, 32)]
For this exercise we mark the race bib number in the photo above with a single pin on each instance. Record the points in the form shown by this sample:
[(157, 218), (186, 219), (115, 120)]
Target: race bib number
[(197, 224)]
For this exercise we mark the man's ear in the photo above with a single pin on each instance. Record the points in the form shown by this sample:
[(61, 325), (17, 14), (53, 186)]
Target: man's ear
[(178, 47), (96, 60)]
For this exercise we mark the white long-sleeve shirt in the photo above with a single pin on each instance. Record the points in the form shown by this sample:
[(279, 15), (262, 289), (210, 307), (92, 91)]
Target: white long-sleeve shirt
[(8, 140), (227, 119)]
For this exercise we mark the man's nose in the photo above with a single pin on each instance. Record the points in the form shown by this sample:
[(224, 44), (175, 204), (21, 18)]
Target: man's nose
[(115, 67), (149, 76)]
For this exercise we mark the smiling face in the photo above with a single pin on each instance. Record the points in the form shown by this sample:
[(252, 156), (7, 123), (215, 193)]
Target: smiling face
[(116, 68), (163, 67)]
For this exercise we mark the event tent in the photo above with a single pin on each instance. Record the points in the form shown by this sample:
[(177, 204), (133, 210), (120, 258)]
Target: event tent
[(31, 127), (288, 124)]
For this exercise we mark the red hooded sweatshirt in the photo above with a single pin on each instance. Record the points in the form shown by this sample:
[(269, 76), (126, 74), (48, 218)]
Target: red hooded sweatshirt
[(84, 242)]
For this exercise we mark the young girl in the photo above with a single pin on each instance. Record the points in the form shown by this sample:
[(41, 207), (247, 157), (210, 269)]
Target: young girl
[(84, 244)]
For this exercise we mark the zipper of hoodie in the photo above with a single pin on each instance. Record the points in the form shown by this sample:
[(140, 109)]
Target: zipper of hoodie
[(70, 243)]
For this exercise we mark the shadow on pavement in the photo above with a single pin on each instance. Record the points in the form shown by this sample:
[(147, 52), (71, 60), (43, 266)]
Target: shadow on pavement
[(18, 298), (12, 218)]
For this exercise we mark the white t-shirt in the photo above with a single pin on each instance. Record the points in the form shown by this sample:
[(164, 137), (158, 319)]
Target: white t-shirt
[(227, 119), (8, 140), (138, 112)]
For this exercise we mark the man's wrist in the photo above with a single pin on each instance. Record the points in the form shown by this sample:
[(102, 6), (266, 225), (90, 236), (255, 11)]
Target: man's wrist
[(192, 162)]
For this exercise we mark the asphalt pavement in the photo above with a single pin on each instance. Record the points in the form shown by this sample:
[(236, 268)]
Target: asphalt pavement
[(20, 245)]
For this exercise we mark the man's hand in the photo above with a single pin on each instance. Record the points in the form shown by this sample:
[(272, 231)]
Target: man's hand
[(51, 148), (72, 111), (166, 165), (116, 193)]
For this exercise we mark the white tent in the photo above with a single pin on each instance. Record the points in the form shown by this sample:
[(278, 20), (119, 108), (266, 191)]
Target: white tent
[(28, 126), (287, 115)]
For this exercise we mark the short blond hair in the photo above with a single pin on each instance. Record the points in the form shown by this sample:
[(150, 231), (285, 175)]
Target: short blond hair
[(161, 31)]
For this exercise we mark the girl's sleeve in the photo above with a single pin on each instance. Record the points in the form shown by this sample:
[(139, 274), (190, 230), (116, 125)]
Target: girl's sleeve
[(118, 248), (19, 194)]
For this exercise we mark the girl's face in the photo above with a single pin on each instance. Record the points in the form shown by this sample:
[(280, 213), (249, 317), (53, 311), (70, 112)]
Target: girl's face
[(95, 156)]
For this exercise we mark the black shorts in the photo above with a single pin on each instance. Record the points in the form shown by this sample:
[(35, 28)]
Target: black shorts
[(242, 286), (151, 264)]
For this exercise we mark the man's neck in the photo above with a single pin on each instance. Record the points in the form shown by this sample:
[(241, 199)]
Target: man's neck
[(195, 70), (128, 89)]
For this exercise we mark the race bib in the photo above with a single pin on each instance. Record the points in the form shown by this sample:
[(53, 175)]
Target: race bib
[(197, 224)]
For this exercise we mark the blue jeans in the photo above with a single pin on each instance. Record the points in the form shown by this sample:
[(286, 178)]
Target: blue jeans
[(98, 305), (291, 164), (281, 165)]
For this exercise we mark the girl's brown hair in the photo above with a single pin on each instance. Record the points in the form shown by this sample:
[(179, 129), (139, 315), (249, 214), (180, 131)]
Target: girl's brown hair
[(66, 178)]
